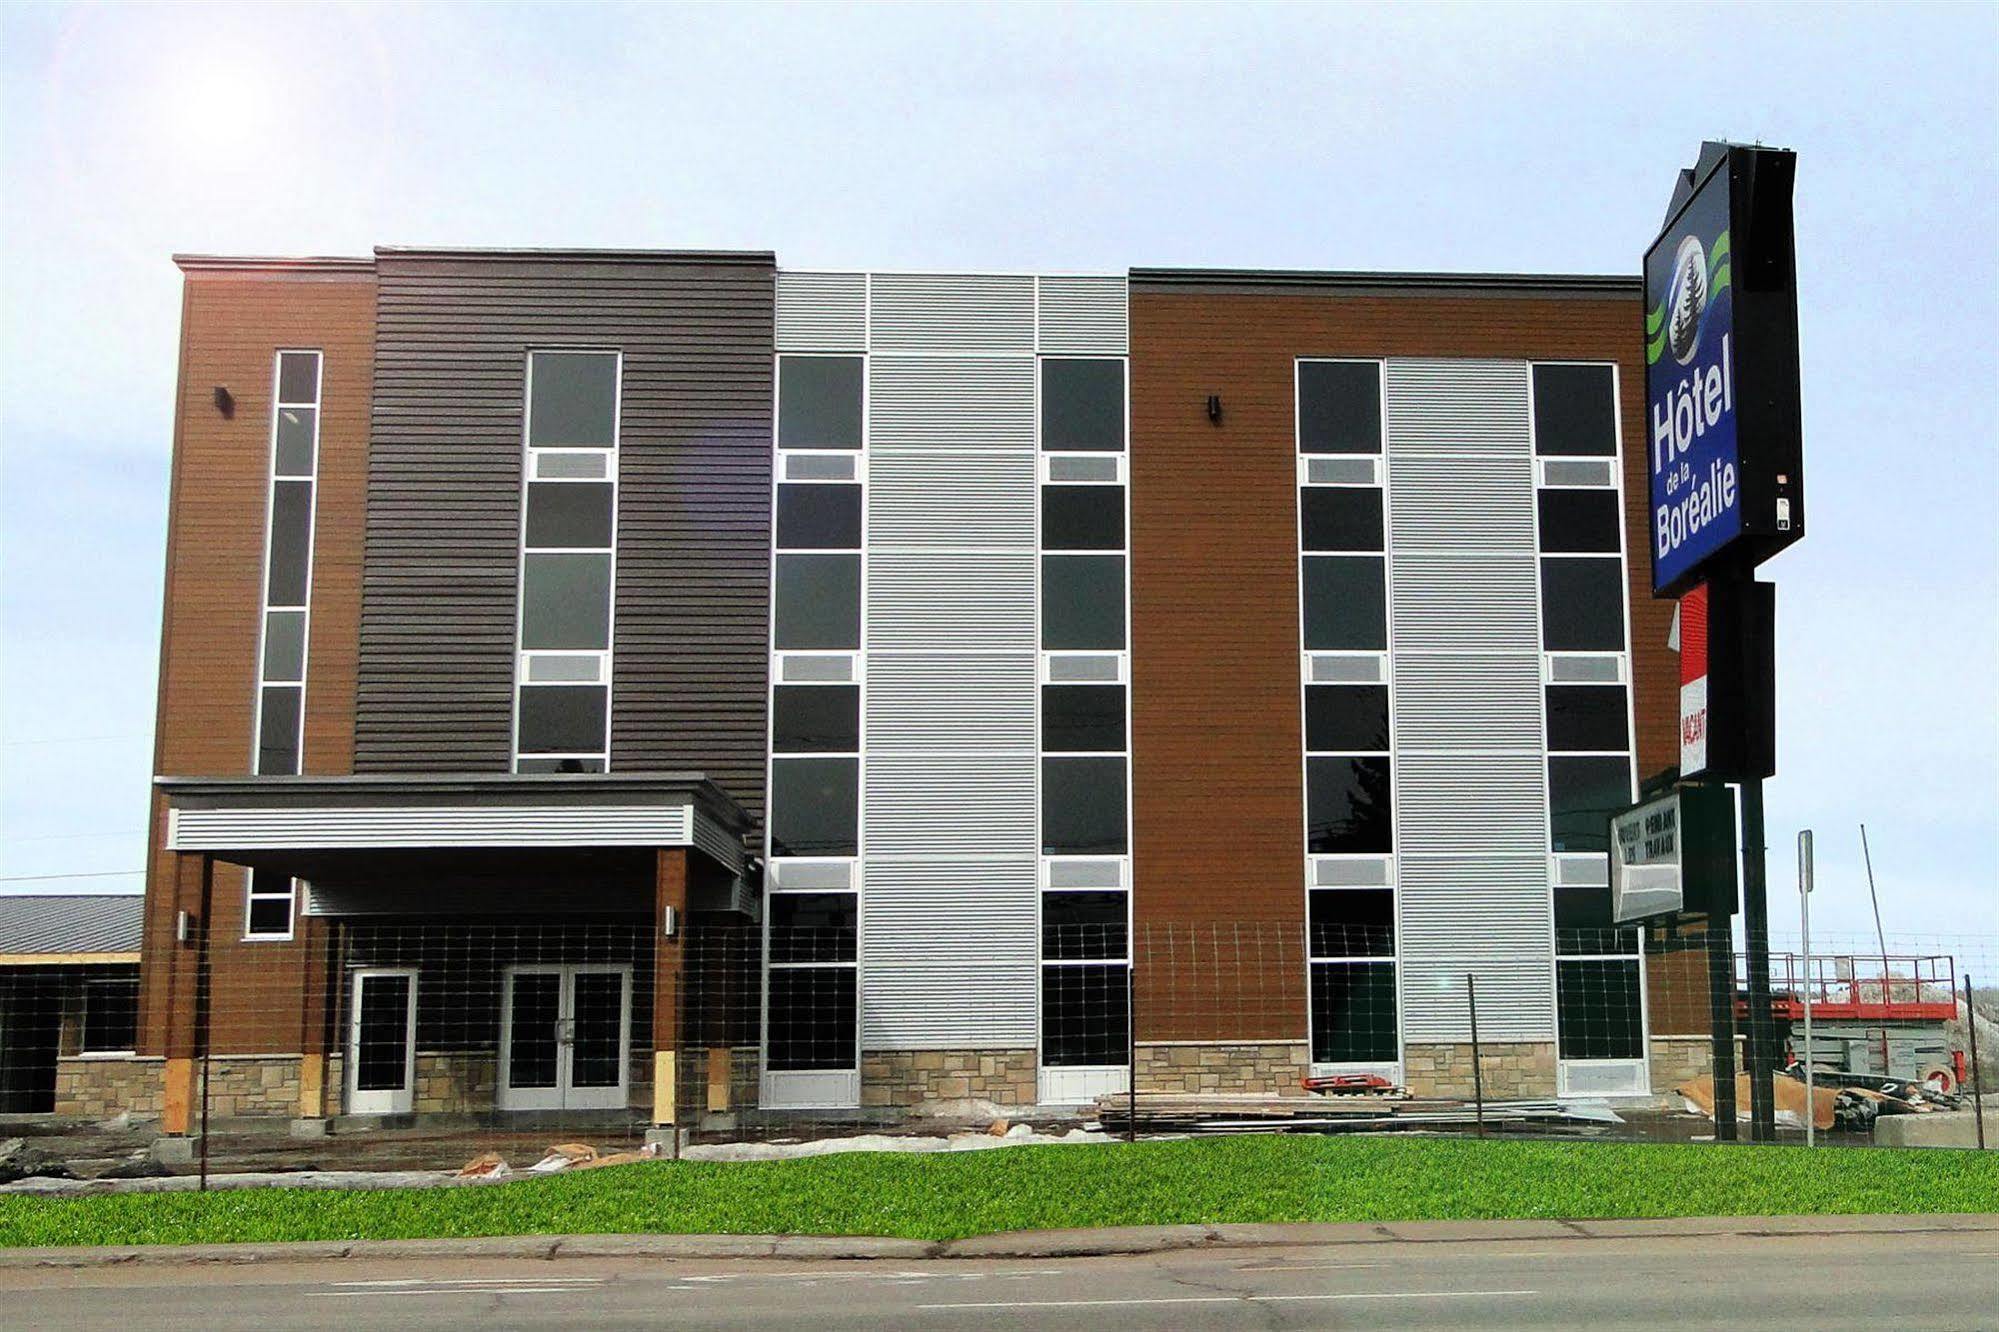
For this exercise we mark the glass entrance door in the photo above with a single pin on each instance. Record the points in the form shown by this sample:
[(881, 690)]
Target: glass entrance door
[(565, 1033), (381, 1043)]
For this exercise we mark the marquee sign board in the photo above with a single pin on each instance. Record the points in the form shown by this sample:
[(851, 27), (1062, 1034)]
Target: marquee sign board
[(1721, 369), (1673, 853)]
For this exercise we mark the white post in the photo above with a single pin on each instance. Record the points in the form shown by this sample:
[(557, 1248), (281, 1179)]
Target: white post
[(1805, 924)]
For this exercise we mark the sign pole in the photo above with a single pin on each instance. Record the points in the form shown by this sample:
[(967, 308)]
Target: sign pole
[(1756, 925), (1805, 935)]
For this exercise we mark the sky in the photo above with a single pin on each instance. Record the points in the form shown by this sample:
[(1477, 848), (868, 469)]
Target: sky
[(1035, 137)]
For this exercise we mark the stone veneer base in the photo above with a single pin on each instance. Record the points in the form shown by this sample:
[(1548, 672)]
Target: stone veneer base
[(911, 1079), (1235, 1068)]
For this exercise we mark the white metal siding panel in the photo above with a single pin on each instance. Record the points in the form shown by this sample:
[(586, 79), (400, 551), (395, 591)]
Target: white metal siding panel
[(951, 499), (1472, 504), (1471, 821), (822, 312), (951, 954), (950, 805), (942, 312), (939, 599), (1467, 702), (951, 402), (281, 828), (957, 702), (1083, 316), (1460, 603), (1458, 407)]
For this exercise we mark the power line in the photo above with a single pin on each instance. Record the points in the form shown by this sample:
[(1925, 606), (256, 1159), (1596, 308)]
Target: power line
[(44, 878)]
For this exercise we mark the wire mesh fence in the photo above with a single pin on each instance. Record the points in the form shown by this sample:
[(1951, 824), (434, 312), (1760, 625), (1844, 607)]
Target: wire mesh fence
[(390, 1042)]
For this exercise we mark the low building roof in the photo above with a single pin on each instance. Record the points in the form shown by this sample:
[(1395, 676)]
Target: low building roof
[(99, 927)]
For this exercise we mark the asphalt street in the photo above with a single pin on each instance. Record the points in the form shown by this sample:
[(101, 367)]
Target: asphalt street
[(1940, 1280)]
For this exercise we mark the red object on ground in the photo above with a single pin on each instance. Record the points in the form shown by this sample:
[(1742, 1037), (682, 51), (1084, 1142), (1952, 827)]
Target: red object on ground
[(1347, 1084)]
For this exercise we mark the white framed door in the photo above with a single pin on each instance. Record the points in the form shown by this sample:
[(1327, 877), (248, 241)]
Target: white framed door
[(565, 1037), (381, 1042)]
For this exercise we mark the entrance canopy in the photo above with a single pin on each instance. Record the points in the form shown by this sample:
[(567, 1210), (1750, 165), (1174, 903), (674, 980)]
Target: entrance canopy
[(382, 844)]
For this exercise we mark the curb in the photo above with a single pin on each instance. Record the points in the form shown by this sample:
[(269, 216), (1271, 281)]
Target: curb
[(1015, 1244)]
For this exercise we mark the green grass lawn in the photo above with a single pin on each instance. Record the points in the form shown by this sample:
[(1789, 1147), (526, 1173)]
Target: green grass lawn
[(949, 1195)]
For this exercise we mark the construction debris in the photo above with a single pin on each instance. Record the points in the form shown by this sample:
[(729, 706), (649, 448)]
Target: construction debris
[(1179, 1112), (1839, 1100)]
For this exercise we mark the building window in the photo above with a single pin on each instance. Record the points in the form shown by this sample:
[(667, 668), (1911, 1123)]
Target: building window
[(818, 602), (1353, 1013), (1582, 604), (1346, 603), (1339, 407), (269, 902), (1082, 405), (1083, 806), (1341, 517), (818, 517), (814, 806), (1082, 719), (1600, 1008), (1346, 719), (288, 563), (1575, 410), (569, 521), (816, 719), (1082, 517), (1347, 805), (1588, 719), (1579, 522), (1583, 792), (111, 1013), (1082, 602), (819, 402)]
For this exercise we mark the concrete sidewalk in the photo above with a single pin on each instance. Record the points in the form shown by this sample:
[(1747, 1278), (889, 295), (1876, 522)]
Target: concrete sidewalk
[(1016, 1244)]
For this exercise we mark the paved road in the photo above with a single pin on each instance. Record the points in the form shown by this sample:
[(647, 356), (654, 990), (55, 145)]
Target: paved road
[(1917, 1280)]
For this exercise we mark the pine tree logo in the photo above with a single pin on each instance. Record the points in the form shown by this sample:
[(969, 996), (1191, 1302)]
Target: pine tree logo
[(1686, 299)]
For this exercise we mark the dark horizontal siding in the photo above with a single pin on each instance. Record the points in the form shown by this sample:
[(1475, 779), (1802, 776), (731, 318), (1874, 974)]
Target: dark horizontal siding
[(438, 634)]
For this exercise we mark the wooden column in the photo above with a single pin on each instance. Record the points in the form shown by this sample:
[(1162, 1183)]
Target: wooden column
[(316, 942), (193, 889), (669, 956)]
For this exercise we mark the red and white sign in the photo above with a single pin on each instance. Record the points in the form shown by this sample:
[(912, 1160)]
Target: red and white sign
[(1693, 682)]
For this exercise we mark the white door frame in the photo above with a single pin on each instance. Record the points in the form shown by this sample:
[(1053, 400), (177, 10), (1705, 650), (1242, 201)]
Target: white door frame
[(392, 1101), (564, 1095)]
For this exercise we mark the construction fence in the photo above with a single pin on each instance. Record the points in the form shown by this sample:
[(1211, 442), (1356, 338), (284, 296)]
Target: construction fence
[(390, 1043)]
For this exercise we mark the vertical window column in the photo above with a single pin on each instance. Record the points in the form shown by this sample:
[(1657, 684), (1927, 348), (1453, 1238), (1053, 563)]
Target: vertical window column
[(1085, 744), (569, 521), (1579, 506), (1349, 801), (813, 820), (287, 614)]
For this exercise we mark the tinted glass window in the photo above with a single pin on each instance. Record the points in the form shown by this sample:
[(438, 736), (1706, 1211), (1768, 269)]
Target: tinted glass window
[(566, 601), (1582, 795), (1339, 407), (818, 601), (1082, 517), (811, 1018), (1599, 1008), (1082, 405), (1082, 601), (277, 731), (1346, 718), (269, 915), (1587, 717), (1082, 806), (819, 517), (1575, 410), (1085, 1015), (813, 806), (816, 718), (298, 377), (1579, 520), (1340, 517), (1082, 718), (1352, 922), (562, 719), (1083, 926), (1353, 1012), (574, 399), (1346, 603), (1582, 605), (569, 513), (284, 645), (111, 1014), (1583, 922), (527, 764), (1347, 806), (819, 402), (813, 927), (295, 441), (291, 543)]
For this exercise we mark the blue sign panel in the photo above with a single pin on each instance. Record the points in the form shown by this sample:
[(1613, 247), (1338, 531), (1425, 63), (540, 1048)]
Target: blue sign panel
[(1692, 450)]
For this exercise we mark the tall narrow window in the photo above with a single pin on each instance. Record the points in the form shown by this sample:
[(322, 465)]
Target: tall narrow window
[(294, 474), (569, 522), (1349, 791)]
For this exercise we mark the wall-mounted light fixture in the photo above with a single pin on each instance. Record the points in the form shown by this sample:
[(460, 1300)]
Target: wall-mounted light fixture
[(225, 402), (1215, 408)]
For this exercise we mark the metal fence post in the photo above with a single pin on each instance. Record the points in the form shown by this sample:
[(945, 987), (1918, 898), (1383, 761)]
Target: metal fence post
[(1805, 942), (1477, 1073), (1971, 1034), (1130, 1053)]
